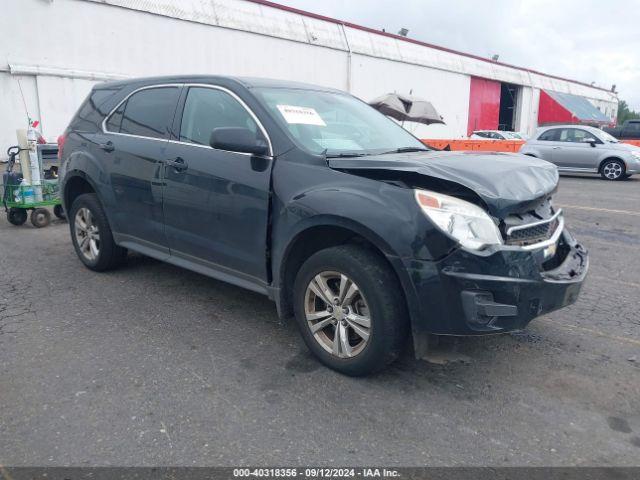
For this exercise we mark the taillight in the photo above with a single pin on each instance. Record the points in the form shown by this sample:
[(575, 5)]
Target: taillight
[(61, 139)]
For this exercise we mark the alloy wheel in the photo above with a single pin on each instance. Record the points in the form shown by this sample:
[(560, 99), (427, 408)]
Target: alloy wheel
[(612, 170), (87, 234), (337, 314)]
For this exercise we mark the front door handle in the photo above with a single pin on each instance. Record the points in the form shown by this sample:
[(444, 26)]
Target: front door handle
[(178, 164), (107, 146), (556, 148)]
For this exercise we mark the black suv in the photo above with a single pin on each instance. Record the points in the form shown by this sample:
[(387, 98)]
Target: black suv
[(310, 196)]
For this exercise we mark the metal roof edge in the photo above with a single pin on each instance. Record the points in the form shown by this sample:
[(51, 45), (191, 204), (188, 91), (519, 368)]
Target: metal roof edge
[(316, 16)]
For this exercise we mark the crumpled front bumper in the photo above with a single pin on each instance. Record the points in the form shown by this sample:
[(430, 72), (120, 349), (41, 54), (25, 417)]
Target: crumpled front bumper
[(469, 294)]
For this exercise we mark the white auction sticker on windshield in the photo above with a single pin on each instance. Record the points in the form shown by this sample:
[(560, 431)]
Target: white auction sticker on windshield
[(301, 115)]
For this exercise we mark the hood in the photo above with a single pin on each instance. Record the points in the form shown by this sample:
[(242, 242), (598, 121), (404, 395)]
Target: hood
[(627, 147), (505, 182)]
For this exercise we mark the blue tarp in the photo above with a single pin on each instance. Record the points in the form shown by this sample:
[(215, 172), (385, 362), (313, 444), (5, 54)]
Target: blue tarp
[(580, 107)]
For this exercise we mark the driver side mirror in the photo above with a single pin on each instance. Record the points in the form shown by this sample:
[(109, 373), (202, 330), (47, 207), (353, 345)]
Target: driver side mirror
[(237, 139), (590, 140)]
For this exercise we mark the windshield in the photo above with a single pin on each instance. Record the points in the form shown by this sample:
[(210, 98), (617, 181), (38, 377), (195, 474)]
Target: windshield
[(336, 123), (607, 137)]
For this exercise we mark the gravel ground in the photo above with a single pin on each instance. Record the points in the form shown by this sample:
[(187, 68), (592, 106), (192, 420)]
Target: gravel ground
[(153, 365)]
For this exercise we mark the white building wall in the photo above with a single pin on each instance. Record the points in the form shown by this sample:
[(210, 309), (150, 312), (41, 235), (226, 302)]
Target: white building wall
[(58, 63), (13, 113), (448, 91)]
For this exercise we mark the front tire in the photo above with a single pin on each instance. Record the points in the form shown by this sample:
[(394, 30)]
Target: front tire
[(350, 310), (91, 235), (613, 170)]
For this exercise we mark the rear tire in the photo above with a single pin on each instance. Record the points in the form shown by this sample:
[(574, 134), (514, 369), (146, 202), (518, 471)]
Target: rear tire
[(17, 216), (371, 295), (91, 235), (613, 170)]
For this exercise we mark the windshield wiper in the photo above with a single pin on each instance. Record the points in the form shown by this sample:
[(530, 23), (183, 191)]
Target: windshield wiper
[(406, 150), (345, 155)]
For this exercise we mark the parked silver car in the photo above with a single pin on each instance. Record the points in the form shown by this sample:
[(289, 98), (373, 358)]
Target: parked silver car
[(577, 148)]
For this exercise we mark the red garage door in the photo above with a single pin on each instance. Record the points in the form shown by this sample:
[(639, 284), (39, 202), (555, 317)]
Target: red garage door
[(484, 105)]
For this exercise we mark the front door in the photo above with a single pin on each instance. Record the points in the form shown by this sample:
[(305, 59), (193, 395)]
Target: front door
[(216, 202), (134, 147), (571, 151)]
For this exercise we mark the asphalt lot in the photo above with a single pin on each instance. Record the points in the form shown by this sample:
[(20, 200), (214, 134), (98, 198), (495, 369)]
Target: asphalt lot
[(153, 365)]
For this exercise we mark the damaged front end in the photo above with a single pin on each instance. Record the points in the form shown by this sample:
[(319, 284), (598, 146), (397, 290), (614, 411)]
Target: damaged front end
[(531, 265)]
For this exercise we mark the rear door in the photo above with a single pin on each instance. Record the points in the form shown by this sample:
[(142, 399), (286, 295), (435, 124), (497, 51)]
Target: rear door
[(573, 152), (136, 139), (216, 202)]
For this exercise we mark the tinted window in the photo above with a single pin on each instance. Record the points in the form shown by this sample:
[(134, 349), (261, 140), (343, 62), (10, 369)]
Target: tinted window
[(635, 126), (208, 108), (549, 135), (147, 113), (90, 114), (113, 124)]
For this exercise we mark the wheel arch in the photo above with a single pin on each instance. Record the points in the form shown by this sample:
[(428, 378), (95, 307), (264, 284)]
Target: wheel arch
[(325, 232), (608, 159), (76, 183)]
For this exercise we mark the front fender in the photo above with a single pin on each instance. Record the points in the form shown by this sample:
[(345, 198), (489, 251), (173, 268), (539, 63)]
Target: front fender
[(385, 215)]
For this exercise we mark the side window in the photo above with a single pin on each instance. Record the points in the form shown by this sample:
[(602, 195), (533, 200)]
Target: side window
[(114, 121), (565, 135), (574, 135), (90, 115), (147, 113), (580, 135), (209, 108), (633, 126), (549, 135)]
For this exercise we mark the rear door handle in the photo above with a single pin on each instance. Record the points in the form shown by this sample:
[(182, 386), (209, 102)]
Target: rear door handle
[(556, 148), (178, 164), (107, 146)]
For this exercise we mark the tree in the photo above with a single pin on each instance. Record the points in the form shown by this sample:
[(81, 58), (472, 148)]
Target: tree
[(624, 113)]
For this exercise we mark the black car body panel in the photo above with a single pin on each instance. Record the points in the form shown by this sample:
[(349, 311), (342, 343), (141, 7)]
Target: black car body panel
[(246, 219), (505, 182)]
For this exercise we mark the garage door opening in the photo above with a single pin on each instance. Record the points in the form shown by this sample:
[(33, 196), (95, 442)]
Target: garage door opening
[(508, 106)]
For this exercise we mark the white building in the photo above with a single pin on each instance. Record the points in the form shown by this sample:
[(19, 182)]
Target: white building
[(53, 51)]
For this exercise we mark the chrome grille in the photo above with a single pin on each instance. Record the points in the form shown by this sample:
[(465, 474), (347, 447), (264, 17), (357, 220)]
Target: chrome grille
[(535, 232)]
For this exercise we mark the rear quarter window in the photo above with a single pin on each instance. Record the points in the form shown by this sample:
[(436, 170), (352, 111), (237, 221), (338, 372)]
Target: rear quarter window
[(549, 135), (92, 111)]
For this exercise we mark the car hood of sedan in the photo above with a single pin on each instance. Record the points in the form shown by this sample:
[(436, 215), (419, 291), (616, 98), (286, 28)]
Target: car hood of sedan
[(505, 182)]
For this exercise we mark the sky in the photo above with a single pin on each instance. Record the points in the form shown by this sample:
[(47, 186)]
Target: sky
[(585, 40)]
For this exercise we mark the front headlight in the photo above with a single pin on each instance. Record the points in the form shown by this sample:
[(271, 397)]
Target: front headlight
[(465, 222)]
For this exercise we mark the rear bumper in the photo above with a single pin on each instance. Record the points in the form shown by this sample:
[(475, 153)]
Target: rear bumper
[(469, 294)]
